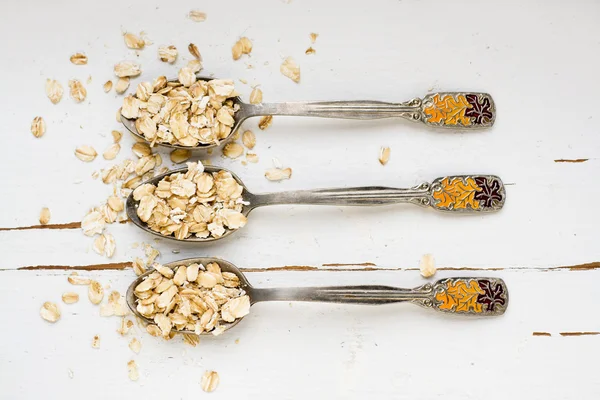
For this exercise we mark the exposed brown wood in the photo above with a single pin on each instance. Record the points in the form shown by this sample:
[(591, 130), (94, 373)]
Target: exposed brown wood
[(68, 225), (542, 334), (571, 160), (93, 267), (579, 333), (365, 264)]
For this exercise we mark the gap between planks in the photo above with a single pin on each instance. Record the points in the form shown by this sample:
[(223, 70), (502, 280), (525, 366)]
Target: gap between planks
[(367, 266)]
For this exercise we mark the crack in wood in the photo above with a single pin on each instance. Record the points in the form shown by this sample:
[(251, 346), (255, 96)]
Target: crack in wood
[(579, 333), (68, 225), (571, 160), (93, 267), (542, 334)]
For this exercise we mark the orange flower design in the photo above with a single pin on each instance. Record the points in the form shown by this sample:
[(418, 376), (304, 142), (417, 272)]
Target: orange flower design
[(448, 110), (460, 296), (457, 193)]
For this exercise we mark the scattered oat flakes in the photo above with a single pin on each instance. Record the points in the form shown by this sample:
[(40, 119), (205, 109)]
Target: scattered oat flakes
[(141, 149), (121, 86), (107, 86), (96, 342), (135, 345), (38, 127), (190, 339), (110, 245), (427, 266), (242, 46), (384, 155), (265, 122), (50, 312), (252, 158), (77, 91), (79, 59), (179, 156), (75, 279), (233, 150), (193, 49), (112, 151), (194, 65), (310, 51), (153, 330), (278, 174), (127, 69), (85, 153), (290, 69), (249, 139), (124, 326), (45, 216), (256, 96), (132, 369), (313, 37), (70, 297), (210, 381), (116, 136), (54, 90), (167, 54), (95, 292), (138, 266), (197, 16), (133, 41)]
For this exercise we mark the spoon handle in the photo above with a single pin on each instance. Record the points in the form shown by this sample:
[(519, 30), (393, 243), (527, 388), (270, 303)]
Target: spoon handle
[(463, 193), (448, 109), (474, 296)]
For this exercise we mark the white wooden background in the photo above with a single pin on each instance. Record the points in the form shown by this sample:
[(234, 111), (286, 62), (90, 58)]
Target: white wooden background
[(539, 60)]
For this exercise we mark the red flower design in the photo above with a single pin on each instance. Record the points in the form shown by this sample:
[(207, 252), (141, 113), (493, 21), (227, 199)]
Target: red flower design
[(480, 112)]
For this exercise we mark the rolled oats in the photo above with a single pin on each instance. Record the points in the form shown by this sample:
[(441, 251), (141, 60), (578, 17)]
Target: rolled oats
[(99, 244), (121, 86), (193, 203), (93, 223), (77, 91), (107, 86), (176, 303), (249, 139), (313, 37), (252, 158), (197, 16), (427, 266), (50, 312), (45, 216), (290, 69), (233, 150), (75, 279), (133, 41), (310, 51), (256, 96), (193, 49), (167, 54), (70, 297), (135, 345), (278, 174), (38, 127), (133, 372), (112, 151), (190, 339), (96, 342), (54, 90), (188, 113), (79, 59), (242, 46), (85, 153), (124, 326), (95, 292), (210, 381), (265, 122), (384, 155), (127, 69)]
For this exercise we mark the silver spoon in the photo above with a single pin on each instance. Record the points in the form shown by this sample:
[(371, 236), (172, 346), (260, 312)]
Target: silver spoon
[(466, 296), (462, 110), (458, 194)]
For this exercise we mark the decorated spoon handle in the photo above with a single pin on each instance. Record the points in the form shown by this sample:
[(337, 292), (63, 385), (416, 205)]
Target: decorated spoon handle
[(447, 109), (461, 193), (475, 296)]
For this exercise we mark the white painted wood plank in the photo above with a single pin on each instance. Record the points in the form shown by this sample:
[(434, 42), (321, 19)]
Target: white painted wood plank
[(329, 351)]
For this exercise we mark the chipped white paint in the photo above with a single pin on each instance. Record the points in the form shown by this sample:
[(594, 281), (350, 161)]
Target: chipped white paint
[(541, 69)]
